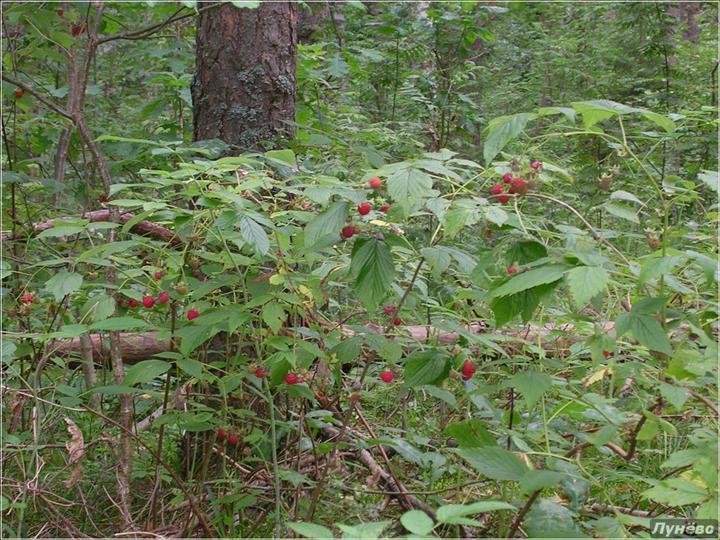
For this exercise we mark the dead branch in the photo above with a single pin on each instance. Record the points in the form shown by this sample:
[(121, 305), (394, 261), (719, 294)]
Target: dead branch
[(144, 227)]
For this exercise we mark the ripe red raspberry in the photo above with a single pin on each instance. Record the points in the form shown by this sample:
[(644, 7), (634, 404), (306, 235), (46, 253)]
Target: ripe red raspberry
[(232, 439), (364, 209), (292, 378), (133, 303), (397, 321), (497, 189), (193, 314), (76, 30), (159, 275), (221, 434), (389, 310), (19, 93), (607, 354), (536, 165), (163, 298), (511, 269), (375, 183), (27, 298), (59, 12), (507, 178), (387, 376), (468, 370), (148, 301), (260, 373), (385, 208), (519, 186), (504, 199), (347, 232)]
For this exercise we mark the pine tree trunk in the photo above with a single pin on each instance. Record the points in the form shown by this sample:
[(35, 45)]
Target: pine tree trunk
[(244, 87)]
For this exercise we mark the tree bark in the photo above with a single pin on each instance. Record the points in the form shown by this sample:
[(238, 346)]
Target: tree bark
[(244, 86)]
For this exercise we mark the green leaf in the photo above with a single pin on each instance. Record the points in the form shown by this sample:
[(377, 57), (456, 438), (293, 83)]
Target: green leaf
[(585, 282), (145, 371), (450, 512), (408, 186), (525, 251), (253, 233), (192, 336), (711, 179), (539, 479), (655, 267), (501, 131), (285, 156), (675, 395), (249, 4), (61, 230), (661, 120), (677, 492), (523, 303), (417, 522), (273, 315), (528, 280), (645, 328), (622, 212), (438, 258), (119, 324), (441, 394), (373, 270), (369, 531), (324, 229), (531, 384), (63, 283), (310, 530), (548, 519), (426, 367), (494, 462), (470, 433), (194, 368)]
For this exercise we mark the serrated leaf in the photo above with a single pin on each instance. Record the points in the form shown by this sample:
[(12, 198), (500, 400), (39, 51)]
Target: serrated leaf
[(324, 229), (194, 368), (494, 462), (528, 280), (655, 267), (470, 433), (311, 530), (622, 212), (273, 315), (145, 371), (585, 282), (119, 324), (373, 270), (368, 531), (61, 230), (711, 179), (408, 186), (450, 512), (531, 384), (417, 522), (426, 367), (539, 479), (549, 519), (253, 233), (675, 395), (63, 283), (193, 336), (501, 131)]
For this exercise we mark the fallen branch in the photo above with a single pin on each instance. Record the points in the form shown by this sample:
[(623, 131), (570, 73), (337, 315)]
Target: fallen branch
[(144, 227)]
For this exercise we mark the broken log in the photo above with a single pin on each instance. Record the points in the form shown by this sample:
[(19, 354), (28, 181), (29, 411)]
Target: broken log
[(143, 227)]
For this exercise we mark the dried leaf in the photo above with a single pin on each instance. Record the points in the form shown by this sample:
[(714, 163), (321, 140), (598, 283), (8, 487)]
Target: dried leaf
[(76, 450)]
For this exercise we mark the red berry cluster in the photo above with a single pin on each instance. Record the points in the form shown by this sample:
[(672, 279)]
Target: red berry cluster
[(364, 209), (292, 378), (231, 438), (516, 185)]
